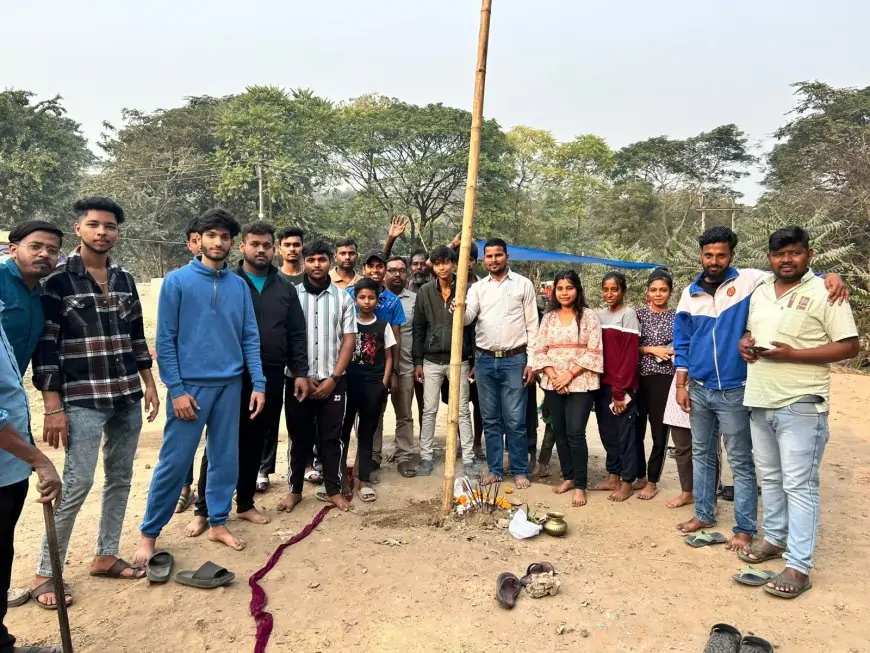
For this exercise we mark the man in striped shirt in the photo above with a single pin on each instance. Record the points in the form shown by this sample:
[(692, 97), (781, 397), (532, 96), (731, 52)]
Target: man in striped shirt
[(330, 321)]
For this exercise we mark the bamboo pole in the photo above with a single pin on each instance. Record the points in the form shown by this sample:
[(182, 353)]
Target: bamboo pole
[(464, 253)]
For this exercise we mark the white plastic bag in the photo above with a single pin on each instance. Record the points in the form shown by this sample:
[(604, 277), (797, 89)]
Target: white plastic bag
[(520, 526)]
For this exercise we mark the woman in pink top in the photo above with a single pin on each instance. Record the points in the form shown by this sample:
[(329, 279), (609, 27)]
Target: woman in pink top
[(568, 353)]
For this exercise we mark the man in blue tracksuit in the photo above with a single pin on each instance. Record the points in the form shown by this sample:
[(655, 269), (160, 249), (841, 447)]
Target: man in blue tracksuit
[(206, 336), (711, 375)]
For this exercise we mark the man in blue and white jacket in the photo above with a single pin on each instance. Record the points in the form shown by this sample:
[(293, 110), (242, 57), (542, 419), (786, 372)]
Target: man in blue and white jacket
[(711, 319)]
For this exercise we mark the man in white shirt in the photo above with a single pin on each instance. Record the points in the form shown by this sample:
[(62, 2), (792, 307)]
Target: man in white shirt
[(507, 323)]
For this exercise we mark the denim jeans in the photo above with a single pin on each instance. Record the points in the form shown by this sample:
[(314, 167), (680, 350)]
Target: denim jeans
[(715, 411), (434, 375), (502, 394), (87, 426), (788, 444)]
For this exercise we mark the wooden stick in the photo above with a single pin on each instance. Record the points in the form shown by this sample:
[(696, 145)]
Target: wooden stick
[(57, 576), (464, 253)]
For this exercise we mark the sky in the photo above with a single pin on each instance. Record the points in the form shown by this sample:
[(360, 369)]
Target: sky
[(625, 70)]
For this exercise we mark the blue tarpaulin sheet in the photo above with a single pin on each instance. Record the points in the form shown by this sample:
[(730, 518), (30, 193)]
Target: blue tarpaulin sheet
[(529, 254)]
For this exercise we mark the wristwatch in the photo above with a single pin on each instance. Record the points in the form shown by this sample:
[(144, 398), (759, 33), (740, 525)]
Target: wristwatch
[(335, 377)]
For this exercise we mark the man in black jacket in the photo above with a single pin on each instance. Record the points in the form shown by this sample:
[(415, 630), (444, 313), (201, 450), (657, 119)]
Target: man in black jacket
[(432, 329), (283, 344)]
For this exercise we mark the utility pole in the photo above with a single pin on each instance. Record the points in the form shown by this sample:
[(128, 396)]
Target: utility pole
[(464, 255), (733, 217), (703, 215), (260, 186)]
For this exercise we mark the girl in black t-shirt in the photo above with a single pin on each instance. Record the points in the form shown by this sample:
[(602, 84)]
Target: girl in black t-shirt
[(368, 377)]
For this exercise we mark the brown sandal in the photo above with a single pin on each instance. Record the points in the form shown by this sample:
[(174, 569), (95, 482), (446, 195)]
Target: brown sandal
[(117, 569), (47, 587)]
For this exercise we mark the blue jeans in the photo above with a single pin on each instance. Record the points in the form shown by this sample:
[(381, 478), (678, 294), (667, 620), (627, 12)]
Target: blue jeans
[(117, 430), (788, 444), (501, 392), (715, 411)]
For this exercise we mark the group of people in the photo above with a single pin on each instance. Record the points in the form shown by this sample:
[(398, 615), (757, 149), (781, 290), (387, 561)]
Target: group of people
[(745, 355)]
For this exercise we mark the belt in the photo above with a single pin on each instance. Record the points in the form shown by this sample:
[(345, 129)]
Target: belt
[(504, 353)]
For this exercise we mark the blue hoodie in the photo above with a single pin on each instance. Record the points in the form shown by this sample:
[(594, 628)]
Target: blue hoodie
[(206, 329)]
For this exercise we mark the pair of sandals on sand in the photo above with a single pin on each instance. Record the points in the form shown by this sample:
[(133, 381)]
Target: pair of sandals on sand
[(508, 586), (725, 638), (208, 577), (759, 552)]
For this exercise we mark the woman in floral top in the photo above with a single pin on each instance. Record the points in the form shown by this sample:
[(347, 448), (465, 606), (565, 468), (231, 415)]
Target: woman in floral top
[(656, 374), (568, 352)]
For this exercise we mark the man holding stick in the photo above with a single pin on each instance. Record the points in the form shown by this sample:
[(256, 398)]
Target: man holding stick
[(18, 457)]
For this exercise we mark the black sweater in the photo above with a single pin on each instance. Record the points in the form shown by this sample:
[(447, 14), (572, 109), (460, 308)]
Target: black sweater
[(281, 323)]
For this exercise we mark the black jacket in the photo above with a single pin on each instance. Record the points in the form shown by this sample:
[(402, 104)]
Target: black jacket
[(433, 327), (281, 322)]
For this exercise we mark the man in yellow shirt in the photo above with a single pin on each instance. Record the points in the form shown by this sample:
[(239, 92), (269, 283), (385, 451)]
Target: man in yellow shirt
[(793, 336)]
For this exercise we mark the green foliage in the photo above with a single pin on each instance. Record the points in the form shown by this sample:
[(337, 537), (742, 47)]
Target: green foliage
[(412, 160), (43, 156), (286, 134), (161, 168)]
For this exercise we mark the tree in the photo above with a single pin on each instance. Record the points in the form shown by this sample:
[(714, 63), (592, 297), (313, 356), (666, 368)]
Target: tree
[(413, 160), (161, 168), (671, 179), (43, 156), (287, 135), (823, 154)]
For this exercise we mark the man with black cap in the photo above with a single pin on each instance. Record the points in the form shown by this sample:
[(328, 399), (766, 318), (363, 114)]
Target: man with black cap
[(389, 308), (34, 247)]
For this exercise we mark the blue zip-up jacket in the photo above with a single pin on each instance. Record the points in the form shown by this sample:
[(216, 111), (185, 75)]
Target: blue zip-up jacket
[(206, 329), (708, 329)]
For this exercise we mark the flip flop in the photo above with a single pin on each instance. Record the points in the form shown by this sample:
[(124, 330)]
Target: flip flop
[(761, 554), (48, 588), (753, 577), (36, 649), (321, 495), (117, 569), (185, 501), (367, 494), (313, 476), (160, 567), (207, 577), (751, 644), (724, 638), (800, 586), (15, 598), (705, 539), (536, 568), (507, 590)]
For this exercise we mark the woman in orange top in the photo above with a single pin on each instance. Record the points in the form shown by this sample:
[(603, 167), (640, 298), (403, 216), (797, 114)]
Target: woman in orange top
[(568, 352)]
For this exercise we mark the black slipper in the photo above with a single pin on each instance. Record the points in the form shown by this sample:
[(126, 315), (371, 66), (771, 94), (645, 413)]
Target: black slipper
[(507, 590), (752, 644), (207, 577), (723, 639), (536, 568), (160, 567)]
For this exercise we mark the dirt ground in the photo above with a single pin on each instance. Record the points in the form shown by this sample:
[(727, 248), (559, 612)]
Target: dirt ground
[(381, 579)]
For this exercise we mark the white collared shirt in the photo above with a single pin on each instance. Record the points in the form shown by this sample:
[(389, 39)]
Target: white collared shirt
[(506, 312)]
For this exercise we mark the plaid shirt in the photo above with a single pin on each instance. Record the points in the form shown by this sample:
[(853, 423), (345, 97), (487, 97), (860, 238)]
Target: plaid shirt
[(93, 345)]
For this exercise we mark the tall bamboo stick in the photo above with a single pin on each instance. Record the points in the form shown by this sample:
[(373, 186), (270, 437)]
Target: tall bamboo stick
[(464, 253)]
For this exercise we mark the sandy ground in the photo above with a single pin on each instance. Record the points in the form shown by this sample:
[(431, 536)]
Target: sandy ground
[(629, 583)]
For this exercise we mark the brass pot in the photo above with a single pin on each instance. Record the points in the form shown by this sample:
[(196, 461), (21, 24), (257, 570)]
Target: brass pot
[(555, 524)]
